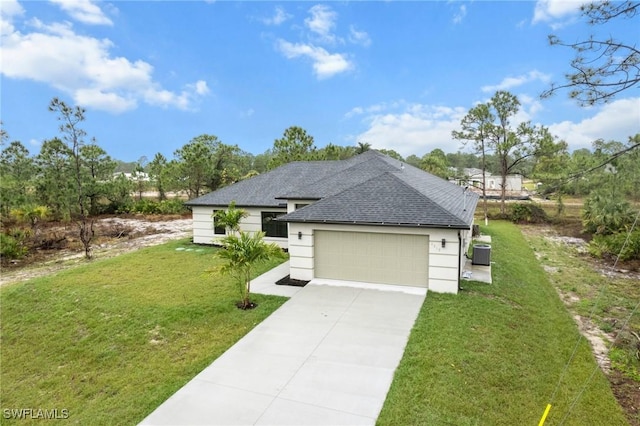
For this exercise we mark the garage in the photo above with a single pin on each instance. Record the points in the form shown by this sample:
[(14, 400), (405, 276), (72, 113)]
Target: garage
[(398, 259)]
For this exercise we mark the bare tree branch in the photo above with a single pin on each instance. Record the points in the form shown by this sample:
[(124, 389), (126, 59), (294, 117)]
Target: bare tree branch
[(602, 68)]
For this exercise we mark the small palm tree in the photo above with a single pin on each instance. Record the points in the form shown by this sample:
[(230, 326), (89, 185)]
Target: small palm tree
[(230, 218), (31, 214), (606, 214), (363, 147), (242, 253)]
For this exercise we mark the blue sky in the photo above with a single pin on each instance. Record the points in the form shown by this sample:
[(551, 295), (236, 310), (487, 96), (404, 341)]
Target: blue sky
[(398, 75)]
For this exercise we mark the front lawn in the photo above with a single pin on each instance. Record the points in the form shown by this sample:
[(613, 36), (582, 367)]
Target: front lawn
[(110, 341), (493, 354)]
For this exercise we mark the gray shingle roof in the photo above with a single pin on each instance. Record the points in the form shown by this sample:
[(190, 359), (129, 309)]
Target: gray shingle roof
[(263, 190), (353, 174), (370, 188)]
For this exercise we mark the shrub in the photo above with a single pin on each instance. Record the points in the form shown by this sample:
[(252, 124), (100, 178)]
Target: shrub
[(31, 214), (171, 207), (158, 207), (12, 244), (528, 213), (613, 244), (145, 207), (606, 214)]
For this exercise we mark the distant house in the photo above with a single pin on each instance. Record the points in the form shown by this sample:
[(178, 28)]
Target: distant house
[(513, 183), (136, 176), (369, 218), (473, 177)]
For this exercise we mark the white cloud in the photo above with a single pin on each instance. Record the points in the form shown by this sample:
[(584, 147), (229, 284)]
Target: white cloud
[(375, 108), (9, 9), (322, 22), (84, 11), (410, 128), (200, 87), (83, 67), (359, 37), (614, 121), (511, 82), (553, 11), (279, 16), (459, 16), (102, 100), (354, 111), (530, 105), (418, 128), (325, 64), (320, 26), (163, 98)]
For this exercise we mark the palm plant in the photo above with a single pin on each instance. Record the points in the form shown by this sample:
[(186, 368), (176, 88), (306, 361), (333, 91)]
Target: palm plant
[(242, 252), (31, 214), (363, 147), (230, 218), (606, 214)]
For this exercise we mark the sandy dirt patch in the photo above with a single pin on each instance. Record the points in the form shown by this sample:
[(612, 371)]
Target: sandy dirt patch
[(114, 236)]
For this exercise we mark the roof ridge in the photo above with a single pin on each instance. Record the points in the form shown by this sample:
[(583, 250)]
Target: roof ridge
[(401, 204), (363, 162), (393, 175), (412, 188), (344, 168), (443, 182), (349, 188), (317, 179)]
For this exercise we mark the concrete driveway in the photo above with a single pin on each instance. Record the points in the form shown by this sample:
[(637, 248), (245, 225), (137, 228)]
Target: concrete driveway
[(326, 357)]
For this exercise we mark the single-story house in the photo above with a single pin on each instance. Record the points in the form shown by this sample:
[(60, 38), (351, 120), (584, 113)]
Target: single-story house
[(512, 183), (369, 218)]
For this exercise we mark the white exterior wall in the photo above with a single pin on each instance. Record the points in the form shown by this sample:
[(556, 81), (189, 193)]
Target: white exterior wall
[(513, 182), (444, 267), (203, 224), (301, 251), (291, 204), (443, 262)]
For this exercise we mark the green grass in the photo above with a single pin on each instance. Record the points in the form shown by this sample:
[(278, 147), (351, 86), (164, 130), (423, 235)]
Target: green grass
[(608, 299), (493, 354), (613, 296), (111, 340)]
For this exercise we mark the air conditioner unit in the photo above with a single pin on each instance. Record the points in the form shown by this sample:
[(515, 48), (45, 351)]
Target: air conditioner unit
[(481, 254)]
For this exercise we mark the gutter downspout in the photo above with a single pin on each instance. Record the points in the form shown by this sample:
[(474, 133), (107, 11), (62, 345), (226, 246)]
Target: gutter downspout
[(459, 258)]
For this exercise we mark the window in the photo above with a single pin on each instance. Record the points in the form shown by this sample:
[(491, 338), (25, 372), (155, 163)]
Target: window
[(273, 228), (218, 230), (299, 206)]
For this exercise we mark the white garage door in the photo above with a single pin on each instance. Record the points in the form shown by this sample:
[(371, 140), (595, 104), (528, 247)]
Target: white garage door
[(371, 257)]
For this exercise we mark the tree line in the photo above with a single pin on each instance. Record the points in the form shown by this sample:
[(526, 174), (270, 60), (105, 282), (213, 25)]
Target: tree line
[(488, 142), (72, 178)]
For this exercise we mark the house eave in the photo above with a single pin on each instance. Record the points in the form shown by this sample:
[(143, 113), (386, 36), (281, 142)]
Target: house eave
[(314, 198), (382, 224), (252, 206)]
